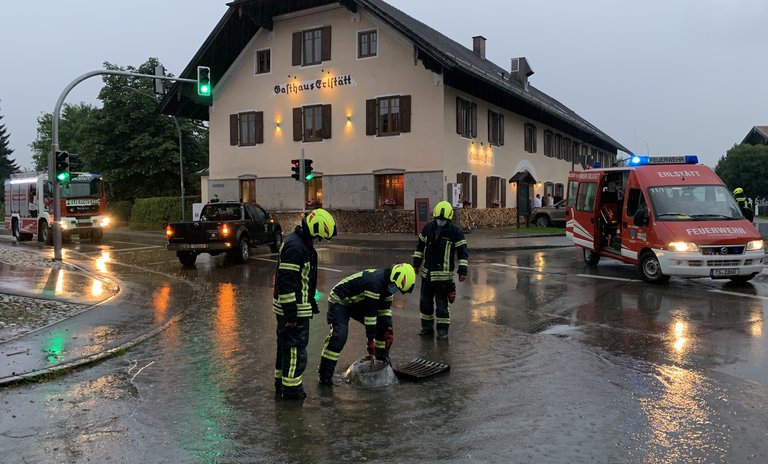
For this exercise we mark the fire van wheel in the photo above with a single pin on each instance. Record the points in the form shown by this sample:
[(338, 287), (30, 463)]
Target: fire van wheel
[(650, 268), (44, 233), (96, 236), (15, 230), (274, 247), (591, 258), (187, 259)]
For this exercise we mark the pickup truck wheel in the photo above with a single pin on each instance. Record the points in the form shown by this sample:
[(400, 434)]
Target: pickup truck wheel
[(650, 268), (541, 220), (591, 258), (274, 247), (96, 235), (244, 250), (186, 258)]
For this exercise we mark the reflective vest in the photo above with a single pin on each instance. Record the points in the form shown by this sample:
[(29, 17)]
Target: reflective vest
[(436, 251)]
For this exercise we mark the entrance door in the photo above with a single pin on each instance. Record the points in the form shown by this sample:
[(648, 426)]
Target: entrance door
[(524, 198)]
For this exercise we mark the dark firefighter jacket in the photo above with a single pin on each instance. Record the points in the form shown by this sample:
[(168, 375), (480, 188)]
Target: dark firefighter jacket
[(435, 253), (366, 296), (296, 278), (742, 201)]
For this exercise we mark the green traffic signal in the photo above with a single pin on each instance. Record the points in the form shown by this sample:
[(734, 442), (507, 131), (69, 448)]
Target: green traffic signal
[(63, 177), (309, 177), (204, 81), (62, 166)]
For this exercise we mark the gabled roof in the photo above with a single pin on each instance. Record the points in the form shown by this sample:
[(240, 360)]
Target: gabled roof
[(757, 136), (461, 67)]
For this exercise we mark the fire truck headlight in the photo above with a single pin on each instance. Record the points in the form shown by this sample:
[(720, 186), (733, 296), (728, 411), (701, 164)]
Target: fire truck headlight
[(104, 221), (683, 246), (64, 225), (755, 245)]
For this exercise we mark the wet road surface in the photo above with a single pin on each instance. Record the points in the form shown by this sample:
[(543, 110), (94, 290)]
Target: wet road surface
[(550, 362)]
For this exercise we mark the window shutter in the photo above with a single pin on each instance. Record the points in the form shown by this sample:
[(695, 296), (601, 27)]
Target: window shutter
[(490, 128), (259, 123), (325, 38), (489, 192), (405, 113), (474, 120), (458, 115), (474, 190), (326, 121), (501, 130), (298, 125), (296, 54), (503, 193), (234, 126), (370, 117)]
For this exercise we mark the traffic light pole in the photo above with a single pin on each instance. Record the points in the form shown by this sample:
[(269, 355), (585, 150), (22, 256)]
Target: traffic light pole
[(303, 183), (55, 144)]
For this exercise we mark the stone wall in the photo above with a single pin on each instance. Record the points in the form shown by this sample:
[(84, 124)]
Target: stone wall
[(401, 221)]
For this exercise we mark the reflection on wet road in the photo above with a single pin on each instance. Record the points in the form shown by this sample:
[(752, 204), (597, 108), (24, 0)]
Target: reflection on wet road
[(550, 362)]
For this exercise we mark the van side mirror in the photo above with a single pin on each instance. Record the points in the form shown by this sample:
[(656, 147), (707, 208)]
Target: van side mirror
[(640, 219), (748, 213)]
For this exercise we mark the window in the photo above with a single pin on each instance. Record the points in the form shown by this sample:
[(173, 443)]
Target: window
[(586, 199), (495, 128), (311, 47), (466, 118), (573, 187), (246, 129), (559, 191), (263, 61), (312, 123), (390, 191), (388, 115), (248, 190), (495, 192), (315, 192), (635, 201), (366, 44), (530, 138), (468, 189)]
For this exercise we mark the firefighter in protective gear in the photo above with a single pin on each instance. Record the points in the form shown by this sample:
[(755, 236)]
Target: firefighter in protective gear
[(367, 298), (441, 249), (741, 198), (294, 300)]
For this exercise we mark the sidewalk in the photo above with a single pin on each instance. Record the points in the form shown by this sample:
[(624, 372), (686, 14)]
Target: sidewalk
[(105, 312)]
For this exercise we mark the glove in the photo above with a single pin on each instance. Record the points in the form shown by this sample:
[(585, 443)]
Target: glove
[(462, 278), (371, 347), (452, 291), (389, 337)]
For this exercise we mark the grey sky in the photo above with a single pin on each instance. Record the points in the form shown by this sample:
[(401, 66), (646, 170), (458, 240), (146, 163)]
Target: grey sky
[(659, 76)]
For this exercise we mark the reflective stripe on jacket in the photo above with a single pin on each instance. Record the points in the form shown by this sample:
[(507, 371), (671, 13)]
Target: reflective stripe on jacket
[(296, 277), (366, 296)]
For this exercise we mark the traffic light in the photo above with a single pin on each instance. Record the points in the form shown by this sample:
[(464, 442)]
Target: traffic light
[(62, 166), (308, 170), (296, 167), (204, 81)]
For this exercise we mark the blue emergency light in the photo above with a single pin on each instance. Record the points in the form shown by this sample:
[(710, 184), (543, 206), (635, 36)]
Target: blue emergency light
[(642, 160)]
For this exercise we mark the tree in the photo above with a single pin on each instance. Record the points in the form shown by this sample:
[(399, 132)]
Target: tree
[(126, 140), (7, 165), (745, 166)]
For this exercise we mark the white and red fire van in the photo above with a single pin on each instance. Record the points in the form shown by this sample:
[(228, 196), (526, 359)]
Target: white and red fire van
[(668, 215)]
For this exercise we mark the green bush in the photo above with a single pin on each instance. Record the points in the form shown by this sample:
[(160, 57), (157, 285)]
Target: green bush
[(155, 213), (120, 212)]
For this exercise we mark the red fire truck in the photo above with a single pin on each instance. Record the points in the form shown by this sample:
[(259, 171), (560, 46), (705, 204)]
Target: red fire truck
[(670, 216), (29, 206)]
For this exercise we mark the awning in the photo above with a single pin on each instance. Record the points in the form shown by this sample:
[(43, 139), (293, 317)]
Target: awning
[(523, 177)]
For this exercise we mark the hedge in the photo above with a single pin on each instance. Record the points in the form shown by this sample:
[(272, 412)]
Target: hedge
[(155, 213), (120, 212)]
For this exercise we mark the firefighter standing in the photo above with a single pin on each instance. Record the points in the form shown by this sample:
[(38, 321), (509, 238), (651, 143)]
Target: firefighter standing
[(439, 242), (367, 298), (741, 198), (294, 300)]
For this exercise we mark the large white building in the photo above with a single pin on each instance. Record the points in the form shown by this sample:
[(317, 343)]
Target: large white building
[(388, 109)]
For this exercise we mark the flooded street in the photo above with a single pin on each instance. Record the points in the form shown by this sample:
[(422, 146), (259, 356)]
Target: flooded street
[(550, 362)]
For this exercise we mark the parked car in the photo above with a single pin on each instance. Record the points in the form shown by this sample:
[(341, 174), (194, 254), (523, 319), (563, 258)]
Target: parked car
[(230, 227), (546, 216)]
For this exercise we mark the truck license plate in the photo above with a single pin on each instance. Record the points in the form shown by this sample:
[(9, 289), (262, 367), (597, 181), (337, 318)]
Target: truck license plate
[(728, 272)]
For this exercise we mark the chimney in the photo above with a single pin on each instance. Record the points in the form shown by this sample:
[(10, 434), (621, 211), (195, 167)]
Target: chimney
[(520, 71), (478, 45)]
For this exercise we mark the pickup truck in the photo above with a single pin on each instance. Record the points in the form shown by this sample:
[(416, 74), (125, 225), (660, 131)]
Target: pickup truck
[(229, 227)]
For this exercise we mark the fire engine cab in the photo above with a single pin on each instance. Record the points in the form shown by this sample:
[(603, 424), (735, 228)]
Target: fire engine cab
[(29, 206), (668, 215)]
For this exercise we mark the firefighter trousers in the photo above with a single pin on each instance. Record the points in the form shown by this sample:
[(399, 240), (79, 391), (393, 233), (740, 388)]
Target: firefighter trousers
[(434, 306), (291, 359)]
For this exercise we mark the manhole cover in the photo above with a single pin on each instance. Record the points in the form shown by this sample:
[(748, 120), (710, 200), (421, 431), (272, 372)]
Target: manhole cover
[(421, 369)]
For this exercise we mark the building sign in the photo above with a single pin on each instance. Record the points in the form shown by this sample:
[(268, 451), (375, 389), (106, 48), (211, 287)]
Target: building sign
[(298, 87)]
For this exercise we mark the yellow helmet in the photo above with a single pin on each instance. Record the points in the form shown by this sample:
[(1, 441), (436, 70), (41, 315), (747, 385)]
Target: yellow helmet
[(320, 223), (443, 210), (738, 190), (403, 276)]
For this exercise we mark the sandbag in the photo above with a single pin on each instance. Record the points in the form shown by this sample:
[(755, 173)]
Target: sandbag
[(368, 372)]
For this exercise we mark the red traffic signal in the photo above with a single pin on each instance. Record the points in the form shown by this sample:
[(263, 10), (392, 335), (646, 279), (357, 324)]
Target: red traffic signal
[(296, 168)]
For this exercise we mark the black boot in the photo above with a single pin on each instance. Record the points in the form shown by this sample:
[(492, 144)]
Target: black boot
[(442, 335), (326, 372), (278, 387)]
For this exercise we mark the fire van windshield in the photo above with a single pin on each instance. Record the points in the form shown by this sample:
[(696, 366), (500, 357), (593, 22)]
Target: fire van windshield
[(83, 189), (694, 202)]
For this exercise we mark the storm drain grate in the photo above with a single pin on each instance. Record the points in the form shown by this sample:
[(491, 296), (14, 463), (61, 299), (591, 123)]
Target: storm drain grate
[(421, 369)]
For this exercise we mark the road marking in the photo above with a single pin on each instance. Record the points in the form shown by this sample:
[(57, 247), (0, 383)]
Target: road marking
[(121, 250), (319, 267), (758, 297), (531, 269), (329, 269), (621, 279)]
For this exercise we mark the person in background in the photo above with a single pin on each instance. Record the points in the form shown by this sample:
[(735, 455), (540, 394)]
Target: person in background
[(537, 201), (214, 199), (741, 197), (550, 200), (439, 243), (367, 298), (294, 300)]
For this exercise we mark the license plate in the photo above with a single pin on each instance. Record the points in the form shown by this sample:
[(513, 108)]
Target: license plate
[(727, 272), (193, 246)]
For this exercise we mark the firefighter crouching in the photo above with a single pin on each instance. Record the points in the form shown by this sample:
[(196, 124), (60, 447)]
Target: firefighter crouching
[(440, 243), (294, 300), (367, 298)]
